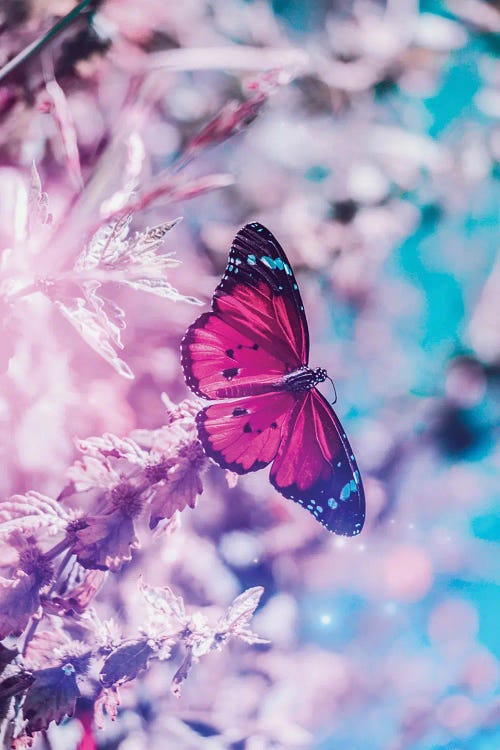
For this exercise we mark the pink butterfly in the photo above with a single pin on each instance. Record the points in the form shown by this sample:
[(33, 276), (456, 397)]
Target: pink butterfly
[(250, 355)]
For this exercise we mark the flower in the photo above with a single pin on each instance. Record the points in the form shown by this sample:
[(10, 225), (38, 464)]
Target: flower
[(105, 541), (20, 595), (181, 483)]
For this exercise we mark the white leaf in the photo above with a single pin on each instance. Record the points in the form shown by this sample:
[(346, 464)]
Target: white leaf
[(87, 323)]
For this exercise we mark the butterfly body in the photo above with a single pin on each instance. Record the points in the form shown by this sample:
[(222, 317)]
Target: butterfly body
[(250, 355)]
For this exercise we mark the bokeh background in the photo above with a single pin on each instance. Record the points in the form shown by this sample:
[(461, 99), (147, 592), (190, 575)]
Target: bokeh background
[(372, 151)]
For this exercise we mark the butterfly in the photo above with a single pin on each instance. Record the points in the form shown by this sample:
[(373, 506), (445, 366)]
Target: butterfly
[(250, 355)]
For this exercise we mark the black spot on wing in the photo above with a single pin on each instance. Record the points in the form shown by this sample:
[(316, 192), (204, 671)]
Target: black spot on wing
[(217, 456), (230, 373), (239, 411)]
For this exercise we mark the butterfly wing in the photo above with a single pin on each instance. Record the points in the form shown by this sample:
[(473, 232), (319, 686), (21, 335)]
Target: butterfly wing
[(257, 330), (244, 435), (315, 466)]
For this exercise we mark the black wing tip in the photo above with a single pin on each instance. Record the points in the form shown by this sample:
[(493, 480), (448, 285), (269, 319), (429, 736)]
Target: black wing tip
[(343, 520), (254, 229)]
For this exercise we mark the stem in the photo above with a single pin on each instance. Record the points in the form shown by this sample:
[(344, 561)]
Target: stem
[(42, 41), (58, 548), (29, 634), (60, 570), (26, 291)]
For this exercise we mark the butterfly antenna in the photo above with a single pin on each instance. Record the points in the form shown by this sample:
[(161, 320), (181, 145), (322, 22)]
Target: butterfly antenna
[(334, 389)]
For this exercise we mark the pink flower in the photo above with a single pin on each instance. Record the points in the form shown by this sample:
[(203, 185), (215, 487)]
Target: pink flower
[(181, 483), (20, 595), (105, 541)]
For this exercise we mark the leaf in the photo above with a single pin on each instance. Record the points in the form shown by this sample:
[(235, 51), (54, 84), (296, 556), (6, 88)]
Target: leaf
[(126, 662), (109, 314), (164, 601), (151, 239), (234, 623), (241, 611), (180, 489), (38, 203), (106, 542), (51, 697), (182, 673), (108, 701), (107, 242), (19, 600), (89, 324), (160, 287), (31, 512), (111, 446), (64, 121)]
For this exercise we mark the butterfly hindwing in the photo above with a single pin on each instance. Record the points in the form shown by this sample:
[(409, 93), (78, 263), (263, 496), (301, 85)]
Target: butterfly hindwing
[(315, 466), (244, 435)]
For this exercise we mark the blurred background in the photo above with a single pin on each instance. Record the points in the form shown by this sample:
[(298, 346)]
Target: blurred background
[(366, 136)]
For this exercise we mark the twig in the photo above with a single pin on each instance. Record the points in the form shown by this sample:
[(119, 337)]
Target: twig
[(41, 42)]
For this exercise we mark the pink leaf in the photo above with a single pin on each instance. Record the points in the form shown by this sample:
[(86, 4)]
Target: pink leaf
[(67, 131), (108, 701), (181, 675), (164, 602)]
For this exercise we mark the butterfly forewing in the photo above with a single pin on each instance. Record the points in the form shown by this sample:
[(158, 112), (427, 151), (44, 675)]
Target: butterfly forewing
[(257, 331), (256, 257), (216, 356)]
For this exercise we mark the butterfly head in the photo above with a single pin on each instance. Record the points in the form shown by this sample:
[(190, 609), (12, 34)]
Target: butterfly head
[(320, 374)]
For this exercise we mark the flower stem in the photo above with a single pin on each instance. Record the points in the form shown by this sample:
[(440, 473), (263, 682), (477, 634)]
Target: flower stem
[(42, 41), (58, 548)]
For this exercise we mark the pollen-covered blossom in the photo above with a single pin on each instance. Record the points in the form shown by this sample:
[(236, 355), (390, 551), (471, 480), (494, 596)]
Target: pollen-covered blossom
[(106, 540), (159, 470), (20, 594), (180, 484)]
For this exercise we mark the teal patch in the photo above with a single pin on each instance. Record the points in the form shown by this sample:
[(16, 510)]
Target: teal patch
[(346, 490), (251, 260), (332, 503)]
